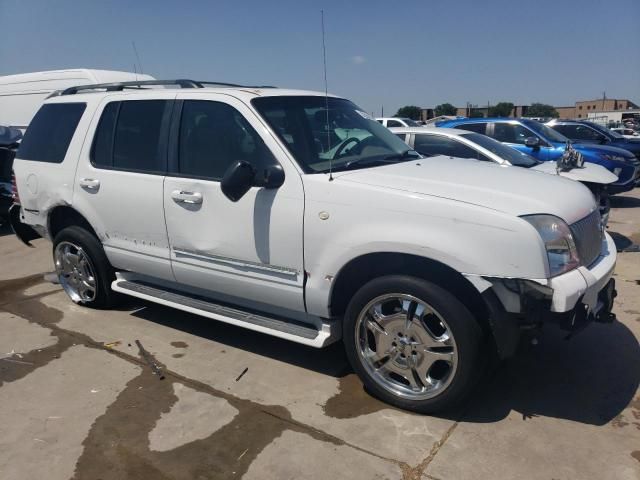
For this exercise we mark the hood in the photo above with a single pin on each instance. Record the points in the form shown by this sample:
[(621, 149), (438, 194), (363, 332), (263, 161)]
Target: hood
[(587, 148), (590, 172), (515, 191)]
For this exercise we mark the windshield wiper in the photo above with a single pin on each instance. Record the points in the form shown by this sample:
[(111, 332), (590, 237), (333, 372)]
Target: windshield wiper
[(405, 155)]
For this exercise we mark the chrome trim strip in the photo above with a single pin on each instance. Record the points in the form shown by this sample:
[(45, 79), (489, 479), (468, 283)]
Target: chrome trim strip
[(235, 262)]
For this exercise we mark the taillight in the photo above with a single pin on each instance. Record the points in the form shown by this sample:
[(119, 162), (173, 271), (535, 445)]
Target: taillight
[(14, 189)]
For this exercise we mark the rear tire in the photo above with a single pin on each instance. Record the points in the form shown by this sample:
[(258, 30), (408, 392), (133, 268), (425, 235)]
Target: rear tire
[(413, 344), (83, 268)]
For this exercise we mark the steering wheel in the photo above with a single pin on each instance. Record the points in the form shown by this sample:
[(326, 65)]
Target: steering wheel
[(343, 145)]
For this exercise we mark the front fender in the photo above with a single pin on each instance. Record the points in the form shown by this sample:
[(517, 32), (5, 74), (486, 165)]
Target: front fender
[(467, 238)]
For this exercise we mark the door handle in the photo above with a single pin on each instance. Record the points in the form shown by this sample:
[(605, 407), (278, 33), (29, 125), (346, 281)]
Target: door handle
[(90, 183), (181, 196)]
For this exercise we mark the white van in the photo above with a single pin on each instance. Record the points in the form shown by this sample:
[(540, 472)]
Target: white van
[(21, 95)]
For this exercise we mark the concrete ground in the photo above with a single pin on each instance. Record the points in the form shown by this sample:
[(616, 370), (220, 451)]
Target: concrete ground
[(79, 401)]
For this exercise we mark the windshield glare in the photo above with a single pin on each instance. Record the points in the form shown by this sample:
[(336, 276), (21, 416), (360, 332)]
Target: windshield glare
[(342, 136), (549, 133), (513, 156)]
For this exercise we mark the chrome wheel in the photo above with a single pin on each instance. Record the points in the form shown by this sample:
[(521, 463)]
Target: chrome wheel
[(406, 346), (75, 272)]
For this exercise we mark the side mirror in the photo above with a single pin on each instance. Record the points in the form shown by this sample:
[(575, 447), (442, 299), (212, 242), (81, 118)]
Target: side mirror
[(270, 177), (532, 142), (237, 180)]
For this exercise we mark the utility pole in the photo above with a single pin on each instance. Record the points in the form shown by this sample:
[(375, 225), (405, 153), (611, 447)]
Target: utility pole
[(604, 97)]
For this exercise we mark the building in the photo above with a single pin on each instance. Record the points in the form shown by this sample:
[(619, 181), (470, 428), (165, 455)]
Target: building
[(587, 108), (581, 109)]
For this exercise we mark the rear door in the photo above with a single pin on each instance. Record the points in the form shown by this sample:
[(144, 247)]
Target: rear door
[(247, 252), (119, 181)]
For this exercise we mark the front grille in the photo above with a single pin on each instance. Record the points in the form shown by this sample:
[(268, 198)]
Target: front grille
[(588, 236)]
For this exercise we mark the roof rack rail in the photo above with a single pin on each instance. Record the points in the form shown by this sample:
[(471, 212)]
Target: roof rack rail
[(119, 86)]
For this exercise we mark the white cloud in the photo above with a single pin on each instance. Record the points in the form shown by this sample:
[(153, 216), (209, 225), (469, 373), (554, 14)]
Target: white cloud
[(358, 60)]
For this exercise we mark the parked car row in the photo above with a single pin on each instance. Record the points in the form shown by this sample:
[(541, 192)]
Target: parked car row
[(452, 142), (546, 144), (296, 214)]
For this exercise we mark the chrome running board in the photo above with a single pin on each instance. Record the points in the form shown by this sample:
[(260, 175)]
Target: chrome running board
[(305, 334)]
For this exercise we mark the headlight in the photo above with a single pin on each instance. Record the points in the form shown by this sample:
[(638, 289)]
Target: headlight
[(613, 158), (558, 241)]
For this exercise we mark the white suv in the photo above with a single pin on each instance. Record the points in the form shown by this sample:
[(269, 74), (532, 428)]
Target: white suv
[(298, 215)]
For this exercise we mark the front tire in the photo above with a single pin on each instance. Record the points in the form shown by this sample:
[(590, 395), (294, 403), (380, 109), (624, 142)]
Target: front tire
[(413, 344), (82, 267)]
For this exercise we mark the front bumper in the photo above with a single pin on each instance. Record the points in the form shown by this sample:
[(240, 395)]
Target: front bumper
[(571, 300)]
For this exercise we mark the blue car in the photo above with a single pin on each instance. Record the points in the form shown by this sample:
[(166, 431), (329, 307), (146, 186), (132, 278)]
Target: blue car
[(582, 131), (546, 144)]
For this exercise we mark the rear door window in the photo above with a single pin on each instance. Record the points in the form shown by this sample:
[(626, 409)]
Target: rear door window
[(432, 145), (473, 127), (132, 136), (394, 123), (50, 132)]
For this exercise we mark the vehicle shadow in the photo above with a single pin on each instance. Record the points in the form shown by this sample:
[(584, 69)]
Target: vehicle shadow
[(589, 379), (328, 361), (621, 201), (5, 229)]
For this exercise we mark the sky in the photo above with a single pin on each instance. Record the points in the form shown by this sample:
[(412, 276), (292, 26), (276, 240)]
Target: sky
[(380, 54)]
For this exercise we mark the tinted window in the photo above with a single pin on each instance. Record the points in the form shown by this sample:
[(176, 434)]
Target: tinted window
[(401, 136), (511, 133), (394, 123), (431, 145), (137, 136), (213, 136), (50, 132), (513, 156), (579, 132), (473, 127), (102, 151)]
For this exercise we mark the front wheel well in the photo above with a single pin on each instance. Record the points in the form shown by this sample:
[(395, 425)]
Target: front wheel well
[(64, 216), (367, 267)]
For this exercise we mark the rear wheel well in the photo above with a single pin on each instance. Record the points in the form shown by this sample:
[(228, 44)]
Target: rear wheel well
[(64, 216), (367, 267)]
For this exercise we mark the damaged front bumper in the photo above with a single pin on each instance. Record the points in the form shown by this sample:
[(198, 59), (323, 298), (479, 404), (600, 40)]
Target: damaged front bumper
[(571, 300)]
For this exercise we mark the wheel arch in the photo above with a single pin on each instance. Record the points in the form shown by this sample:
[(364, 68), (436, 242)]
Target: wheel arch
[(63, 216), (366, 267)]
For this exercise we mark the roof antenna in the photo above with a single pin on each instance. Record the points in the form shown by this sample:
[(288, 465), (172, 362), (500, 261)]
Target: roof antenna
[(135, 50), (326, 95)]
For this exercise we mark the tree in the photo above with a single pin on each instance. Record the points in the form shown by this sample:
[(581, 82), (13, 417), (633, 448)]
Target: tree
[(445, 109), (542, 110), (501, 109), (409, 111)]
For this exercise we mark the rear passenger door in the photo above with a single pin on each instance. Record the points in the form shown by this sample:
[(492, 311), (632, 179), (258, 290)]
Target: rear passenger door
[(247, 252), (119, 181)]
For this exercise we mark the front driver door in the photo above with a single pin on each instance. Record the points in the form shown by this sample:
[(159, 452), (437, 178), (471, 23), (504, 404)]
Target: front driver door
[(514, 135), (247, 252)]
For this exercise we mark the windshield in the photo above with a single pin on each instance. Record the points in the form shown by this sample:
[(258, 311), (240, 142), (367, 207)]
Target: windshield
[(343, 137), (549, 133), (513, 156), (605, 131)]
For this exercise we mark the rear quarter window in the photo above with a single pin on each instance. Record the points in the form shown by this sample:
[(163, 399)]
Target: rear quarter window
[(50, 132)]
